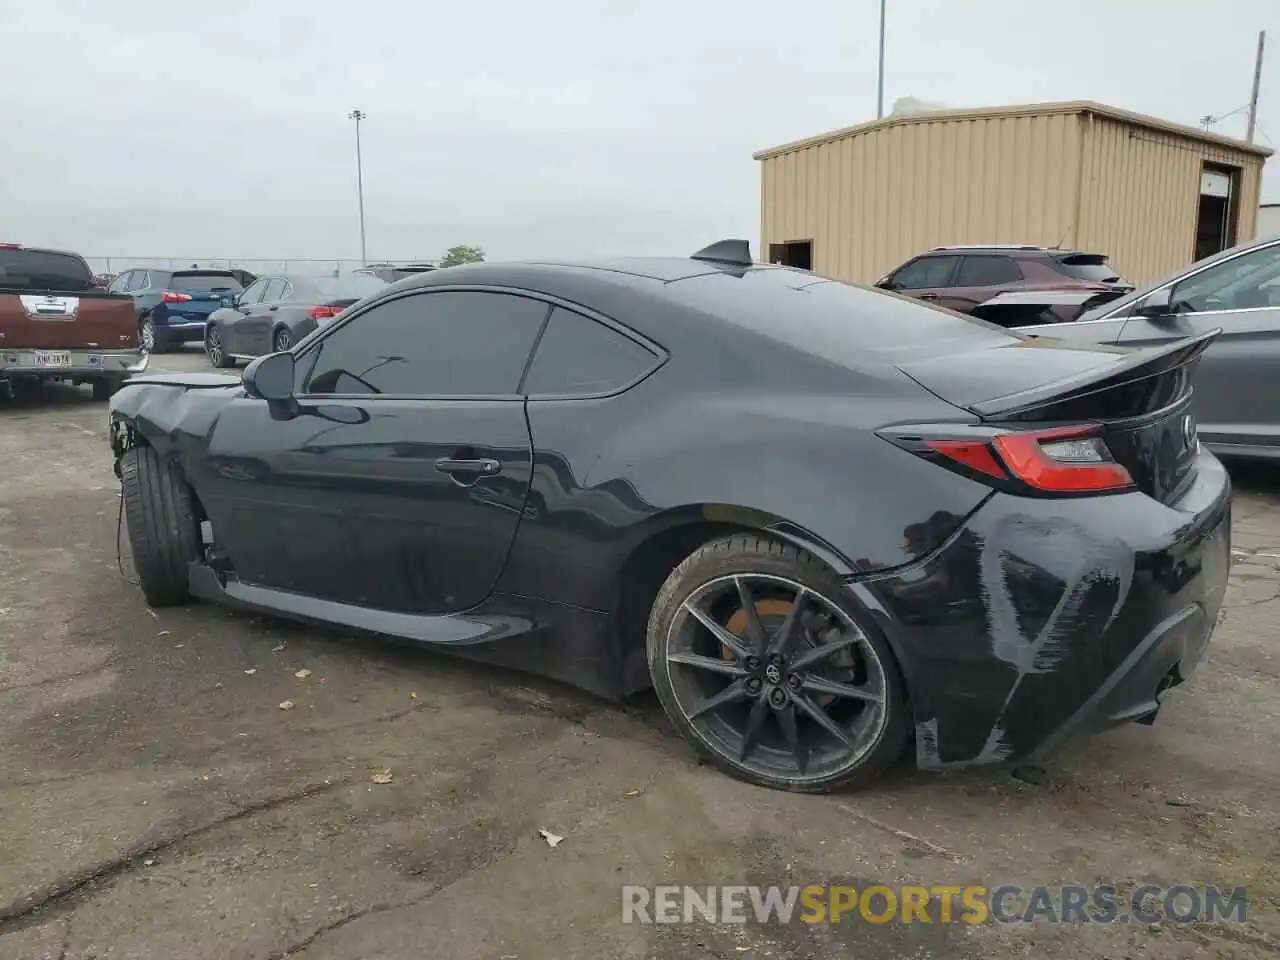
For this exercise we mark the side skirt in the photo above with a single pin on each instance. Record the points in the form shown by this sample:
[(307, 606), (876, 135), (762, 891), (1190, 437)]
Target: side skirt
[(562, 642)]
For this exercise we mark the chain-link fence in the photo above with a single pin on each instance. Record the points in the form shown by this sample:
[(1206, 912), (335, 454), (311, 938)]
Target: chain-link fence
[(336, 267)]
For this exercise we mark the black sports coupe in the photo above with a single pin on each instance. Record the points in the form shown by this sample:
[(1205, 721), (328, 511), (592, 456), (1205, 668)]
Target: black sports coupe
[(823, 521)]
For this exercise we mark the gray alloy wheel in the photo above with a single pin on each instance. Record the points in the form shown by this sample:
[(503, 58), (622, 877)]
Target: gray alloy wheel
[(218, 355), (765, 663), (147, 335), (283, 341), (163, 533)]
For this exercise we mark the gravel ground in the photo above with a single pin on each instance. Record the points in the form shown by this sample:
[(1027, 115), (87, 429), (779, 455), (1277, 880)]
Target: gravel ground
[(158, 803)]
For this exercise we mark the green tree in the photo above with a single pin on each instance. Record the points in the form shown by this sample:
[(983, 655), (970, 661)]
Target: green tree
[(461, 254)]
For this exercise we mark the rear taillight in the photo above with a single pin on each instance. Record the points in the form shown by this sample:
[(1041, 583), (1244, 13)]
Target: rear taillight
[(1061, 460), (170, 297), (323, 312)]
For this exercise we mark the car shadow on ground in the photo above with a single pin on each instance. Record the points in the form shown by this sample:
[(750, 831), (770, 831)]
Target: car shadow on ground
[(47, 396), (1255, 476)]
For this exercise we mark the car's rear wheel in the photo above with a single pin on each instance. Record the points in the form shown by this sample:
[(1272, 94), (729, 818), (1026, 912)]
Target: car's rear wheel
[(283, 340), (213, 346), (148, 336), (163, 532), (767, 665), (104, 388)]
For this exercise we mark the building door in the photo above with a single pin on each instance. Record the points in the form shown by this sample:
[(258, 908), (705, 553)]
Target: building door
[(1217, 211), (793, 253)]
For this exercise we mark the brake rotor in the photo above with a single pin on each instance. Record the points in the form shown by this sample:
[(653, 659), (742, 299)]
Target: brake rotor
[(765, 609)]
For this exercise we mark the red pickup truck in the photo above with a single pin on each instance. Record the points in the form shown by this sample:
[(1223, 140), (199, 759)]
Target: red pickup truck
[(55, 324)]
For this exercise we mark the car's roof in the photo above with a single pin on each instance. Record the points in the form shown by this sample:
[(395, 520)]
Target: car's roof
[(673, 300)]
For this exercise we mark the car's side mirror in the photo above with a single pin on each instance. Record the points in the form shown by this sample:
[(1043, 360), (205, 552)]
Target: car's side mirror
[(1157, 303), (270, 378), (885, 283)]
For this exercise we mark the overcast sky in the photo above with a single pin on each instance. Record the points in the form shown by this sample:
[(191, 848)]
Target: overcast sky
[(218, 129)]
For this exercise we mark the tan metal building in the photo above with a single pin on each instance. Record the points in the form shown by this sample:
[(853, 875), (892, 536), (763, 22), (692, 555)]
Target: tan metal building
[(1155, 196)]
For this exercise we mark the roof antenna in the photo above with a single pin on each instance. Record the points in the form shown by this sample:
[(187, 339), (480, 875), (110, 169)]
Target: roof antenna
[(735, 252)]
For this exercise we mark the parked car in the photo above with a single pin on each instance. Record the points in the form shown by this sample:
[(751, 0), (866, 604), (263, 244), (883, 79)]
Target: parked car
[(276, 312), (817, 518), (391, 272), (981, 280), (56, 325), (1237, 291), (173, 306)]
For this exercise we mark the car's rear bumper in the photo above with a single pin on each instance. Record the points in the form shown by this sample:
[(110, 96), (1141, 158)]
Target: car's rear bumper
[(181, 331), (71, 363), (1039, 618)]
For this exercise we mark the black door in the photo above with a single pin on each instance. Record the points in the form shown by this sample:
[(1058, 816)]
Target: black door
[(233, 340), (401, 483)]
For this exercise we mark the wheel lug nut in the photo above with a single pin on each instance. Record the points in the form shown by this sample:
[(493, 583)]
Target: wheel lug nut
[(776, 660), (753, 685), (753, 663), (777, 698), (793, 682)]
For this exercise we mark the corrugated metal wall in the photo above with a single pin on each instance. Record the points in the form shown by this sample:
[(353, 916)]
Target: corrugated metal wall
[(871, 200), (1142, 194)]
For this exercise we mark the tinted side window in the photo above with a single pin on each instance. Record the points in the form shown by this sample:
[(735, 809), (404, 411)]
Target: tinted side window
[(577, 355), (121, 283), (987, 271), (275, 288), (253, 294), (925, 272), (447, 344)]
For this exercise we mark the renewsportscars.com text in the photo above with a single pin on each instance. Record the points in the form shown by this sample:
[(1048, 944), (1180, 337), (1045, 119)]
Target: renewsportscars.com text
[(973, 904)]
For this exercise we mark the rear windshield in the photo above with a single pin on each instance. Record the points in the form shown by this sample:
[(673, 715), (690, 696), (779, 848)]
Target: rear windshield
[(190, 282), (843, 322), (1089, 266), (350, 288), (43, 270)]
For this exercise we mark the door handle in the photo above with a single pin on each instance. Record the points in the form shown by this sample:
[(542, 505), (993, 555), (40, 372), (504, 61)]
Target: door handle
[(466, 472), (928, 296)]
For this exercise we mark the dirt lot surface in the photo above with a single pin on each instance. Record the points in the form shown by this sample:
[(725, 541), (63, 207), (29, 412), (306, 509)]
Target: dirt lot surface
[(157, 802)]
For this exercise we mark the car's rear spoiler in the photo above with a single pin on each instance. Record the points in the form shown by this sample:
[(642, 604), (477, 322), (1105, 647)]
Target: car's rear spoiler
[(1043, 298), (1133, 366)]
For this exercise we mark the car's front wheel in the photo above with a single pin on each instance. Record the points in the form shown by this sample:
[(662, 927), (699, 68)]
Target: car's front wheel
[(217, 351), (767, 665), (163, 532)]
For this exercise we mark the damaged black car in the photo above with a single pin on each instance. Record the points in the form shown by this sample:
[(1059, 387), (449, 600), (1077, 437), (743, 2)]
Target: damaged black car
[(827, 524)]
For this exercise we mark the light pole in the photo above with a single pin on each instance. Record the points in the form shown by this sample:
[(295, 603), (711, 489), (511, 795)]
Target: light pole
[(357, 116), (880, 78)]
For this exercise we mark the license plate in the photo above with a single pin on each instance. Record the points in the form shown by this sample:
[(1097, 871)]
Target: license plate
[(51, 358)]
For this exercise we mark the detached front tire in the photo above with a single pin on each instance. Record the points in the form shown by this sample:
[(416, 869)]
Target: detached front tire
[(163, 532), (769, 667)]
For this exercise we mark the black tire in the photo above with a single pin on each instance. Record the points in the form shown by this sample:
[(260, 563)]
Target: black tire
[(104, 388), (24, 388), (766, 561), (163, 532), (157, 345), (282, 340), (215, 350)]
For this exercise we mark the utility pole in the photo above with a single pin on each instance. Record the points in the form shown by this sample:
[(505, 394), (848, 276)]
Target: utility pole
[(880, 79), (1257, 81), (357, 116)]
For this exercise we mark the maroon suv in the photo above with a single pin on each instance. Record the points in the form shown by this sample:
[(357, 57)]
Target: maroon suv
[(1002, 282)]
